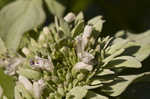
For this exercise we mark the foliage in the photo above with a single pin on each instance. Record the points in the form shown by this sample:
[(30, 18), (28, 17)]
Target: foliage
[(67, 59)]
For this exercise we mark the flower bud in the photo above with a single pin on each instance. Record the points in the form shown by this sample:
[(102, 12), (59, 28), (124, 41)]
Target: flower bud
[(61, 90), (46, 30), (27, 84), (79, 47), (82, 65), (37, 90), (86, 34), (80, 76), (87, 57), (69, 17), (41, 37), (25, 51)]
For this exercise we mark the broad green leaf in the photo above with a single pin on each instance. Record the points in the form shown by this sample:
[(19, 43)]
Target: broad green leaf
[(77, 93), (125, 61), (109, 58), (120, 86), (93, 95), (144, 41), (2, 47), (19, 17), (29, 73), (97, 23), (55, 7), (7, 83), (117, 45)]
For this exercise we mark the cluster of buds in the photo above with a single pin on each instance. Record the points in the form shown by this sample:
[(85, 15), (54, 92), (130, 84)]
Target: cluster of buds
[(84, 57), (57, 62), (31, 88)]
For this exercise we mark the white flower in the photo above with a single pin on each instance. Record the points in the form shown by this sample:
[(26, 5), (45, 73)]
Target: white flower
[(86, 34), (38, 88), (69, 17), (27, 84), (79, 47), (87, 57), (42, 63), (82, 65), (10, 69)]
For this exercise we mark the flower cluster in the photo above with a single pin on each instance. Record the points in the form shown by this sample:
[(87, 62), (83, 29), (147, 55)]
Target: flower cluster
[(69, 60)]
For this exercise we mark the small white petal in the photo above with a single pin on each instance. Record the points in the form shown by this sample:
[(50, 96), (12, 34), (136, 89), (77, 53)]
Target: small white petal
[(87, 31), (87, 57), (82, 65), (27, 84), (37, 90), (41, 37), (25, 51), (86, 34), (69, 17), (46, 30), (79, 47)]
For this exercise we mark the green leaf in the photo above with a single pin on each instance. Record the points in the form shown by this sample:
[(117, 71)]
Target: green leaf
[(97, 23), (55, 7), (105, 72), (4, 2), (78, 28), (111, 57), (19, 17), (8, 84), (125, 61), (120, 86), (77, 93), (2, 47), (29, 73), (93, 95), (143, 40), (117, 44)]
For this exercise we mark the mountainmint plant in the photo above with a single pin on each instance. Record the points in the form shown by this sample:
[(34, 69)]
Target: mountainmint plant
[(70, 60)]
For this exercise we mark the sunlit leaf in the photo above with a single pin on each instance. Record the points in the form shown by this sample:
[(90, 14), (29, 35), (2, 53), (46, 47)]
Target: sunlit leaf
[(97, 23), (17, 18), (55, 7), (77, 93), (8, 84), (120, 86), (125, 61), (2, 46)]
